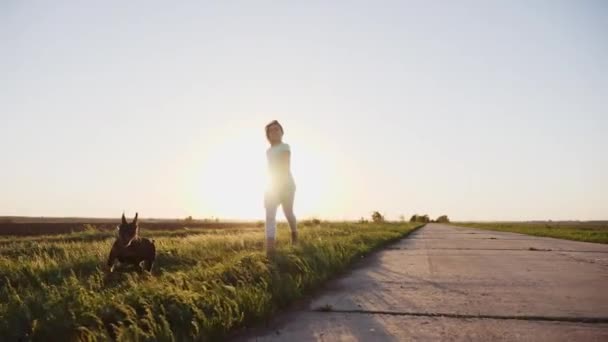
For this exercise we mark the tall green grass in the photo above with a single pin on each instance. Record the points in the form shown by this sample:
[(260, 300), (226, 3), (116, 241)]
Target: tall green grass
[(583, 231), (204, 285)]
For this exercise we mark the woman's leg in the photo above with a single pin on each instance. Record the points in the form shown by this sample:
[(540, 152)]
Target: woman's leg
[(287, 205), (271, 223)]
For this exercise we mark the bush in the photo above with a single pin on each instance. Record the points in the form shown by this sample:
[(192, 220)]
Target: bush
[(420, 218), (443, 219), (377, 217), (87, 227), (310, 222)]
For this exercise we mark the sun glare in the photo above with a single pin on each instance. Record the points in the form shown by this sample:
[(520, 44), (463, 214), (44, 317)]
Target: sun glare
[(231, 178)]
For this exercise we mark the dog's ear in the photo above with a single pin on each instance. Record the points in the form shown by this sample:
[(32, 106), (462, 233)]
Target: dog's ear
[(124, 219), (135, 219)]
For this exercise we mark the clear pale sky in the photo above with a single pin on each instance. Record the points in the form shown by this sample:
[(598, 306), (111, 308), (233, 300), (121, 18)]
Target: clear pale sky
[(482, 110)]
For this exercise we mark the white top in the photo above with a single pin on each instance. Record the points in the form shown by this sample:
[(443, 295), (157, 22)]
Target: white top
[(273, 156), (274, 151)]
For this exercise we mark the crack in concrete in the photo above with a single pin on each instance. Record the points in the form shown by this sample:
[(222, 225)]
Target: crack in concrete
[(531, 249), (590, 320), (596, 262), (479, 238)]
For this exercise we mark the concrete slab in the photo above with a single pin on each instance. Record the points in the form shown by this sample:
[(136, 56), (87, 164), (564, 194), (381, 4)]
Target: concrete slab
[(479, 283), (331, 327), (486, 285)]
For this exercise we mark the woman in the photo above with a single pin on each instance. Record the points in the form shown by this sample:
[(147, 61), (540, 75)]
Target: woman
[(281, 186)]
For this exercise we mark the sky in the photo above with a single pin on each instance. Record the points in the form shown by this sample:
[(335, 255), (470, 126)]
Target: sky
[(481, 110)]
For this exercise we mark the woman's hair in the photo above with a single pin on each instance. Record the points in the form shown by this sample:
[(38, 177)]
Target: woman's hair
[(273, 122)]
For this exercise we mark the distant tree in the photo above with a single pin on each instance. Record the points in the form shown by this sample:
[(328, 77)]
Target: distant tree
[(401, 218), (188, 219), (377, 217), (443, 219), (363, 220), (420, 218)]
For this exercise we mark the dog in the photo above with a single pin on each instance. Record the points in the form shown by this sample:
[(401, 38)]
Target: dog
[(129, 248)]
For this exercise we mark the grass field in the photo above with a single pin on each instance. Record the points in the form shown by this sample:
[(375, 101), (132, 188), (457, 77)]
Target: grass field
[(595, 231), (44, 226), (206, 284)]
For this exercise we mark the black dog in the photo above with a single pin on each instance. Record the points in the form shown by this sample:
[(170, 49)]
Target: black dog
[(129, 248)]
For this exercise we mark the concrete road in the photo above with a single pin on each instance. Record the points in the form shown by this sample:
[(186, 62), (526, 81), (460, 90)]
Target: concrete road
[(450, 283)]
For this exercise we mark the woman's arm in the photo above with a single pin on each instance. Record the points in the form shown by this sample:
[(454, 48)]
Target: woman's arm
[(285, 161)]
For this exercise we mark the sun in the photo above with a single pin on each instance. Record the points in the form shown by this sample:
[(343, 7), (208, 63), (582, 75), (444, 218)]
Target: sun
[(230, 177)]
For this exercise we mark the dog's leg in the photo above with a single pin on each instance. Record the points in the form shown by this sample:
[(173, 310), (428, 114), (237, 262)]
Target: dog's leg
[(148, 265), (112, 257)]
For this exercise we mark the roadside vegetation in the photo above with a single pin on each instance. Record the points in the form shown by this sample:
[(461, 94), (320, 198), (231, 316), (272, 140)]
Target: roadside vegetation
[(594, 231)]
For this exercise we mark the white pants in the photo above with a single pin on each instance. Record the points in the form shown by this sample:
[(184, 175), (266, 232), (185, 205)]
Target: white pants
[(272, 200)]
